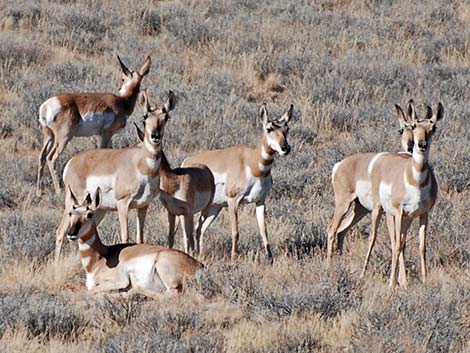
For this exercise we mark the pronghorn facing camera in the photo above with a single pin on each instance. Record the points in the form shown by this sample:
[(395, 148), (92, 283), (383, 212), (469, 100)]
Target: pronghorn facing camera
[(124, 267), (129, 177), (353, 191), (67, 115), (243, 175), (184, 192), (405, 187)]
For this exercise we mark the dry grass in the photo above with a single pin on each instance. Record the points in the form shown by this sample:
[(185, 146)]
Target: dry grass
[(343, 64)]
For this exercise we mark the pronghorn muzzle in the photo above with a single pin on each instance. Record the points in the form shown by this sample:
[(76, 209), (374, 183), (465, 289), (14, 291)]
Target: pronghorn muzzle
[(73, 231)]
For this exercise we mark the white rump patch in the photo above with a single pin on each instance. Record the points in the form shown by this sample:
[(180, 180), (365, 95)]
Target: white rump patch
[(48, 111), (335, 168)]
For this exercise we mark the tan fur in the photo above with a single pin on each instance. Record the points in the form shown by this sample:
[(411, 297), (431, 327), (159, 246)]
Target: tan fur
[(239, 178), (125, 267), (65, 124), (124, 175), (348, 174)]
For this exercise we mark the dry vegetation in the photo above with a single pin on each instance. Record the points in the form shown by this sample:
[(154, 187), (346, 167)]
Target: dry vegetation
[(343, 64)]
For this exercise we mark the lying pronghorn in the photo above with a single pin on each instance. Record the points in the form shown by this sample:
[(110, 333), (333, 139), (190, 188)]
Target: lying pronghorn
[(406, 188), (124, 267), (85, 114), (243, 175), (128, 177), (184, 192), (353, 193)]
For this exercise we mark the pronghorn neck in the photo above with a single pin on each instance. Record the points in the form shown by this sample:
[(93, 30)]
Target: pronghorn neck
[(129, 92), (264, 159), (417, 172), (91, 249), (152, 156), (165, 168)]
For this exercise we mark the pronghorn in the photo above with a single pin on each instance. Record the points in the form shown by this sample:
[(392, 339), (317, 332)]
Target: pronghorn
[(184, 192), (243, 175), (67, 115), (405, 187), (124, 267), (353, 193), (128, 177)]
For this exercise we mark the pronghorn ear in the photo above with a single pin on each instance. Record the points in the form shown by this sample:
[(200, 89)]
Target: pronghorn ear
[(140, 133), (401, 117), (412, 111), (285, 118), (124, 69), (263, 115), (72, 196), (428, 112), (439, 114), (96, 203), (144, 100), (87, 202), (144, 70), (170, 102)]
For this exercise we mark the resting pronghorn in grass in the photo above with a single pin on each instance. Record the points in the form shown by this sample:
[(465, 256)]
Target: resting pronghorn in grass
[(67, 115), (353, 190), (128, 177), (124, 267), (243, 175), (184, 192), (405, 187)]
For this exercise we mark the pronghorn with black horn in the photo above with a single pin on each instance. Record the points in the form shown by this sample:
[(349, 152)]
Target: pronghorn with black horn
[(129, 177), (185, 192), (123, 268), (353, 191), (67, 115), (243, 175), (405, 187)]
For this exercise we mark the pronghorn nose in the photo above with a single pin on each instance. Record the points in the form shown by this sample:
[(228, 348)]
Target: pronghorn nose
[(423, 145), (286, 149), (156, 137)]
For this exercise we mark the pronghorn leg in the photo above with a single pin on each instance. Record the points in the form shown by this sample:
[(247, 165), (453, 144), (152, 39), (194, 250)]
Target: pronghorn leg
[(188, 227), (401, 258), (402, 280), (376, 214), (260, 217), (47, 144), (171, 230), (59, 145), (106, 139), (141, 213), (233, 213), (60, 234), (357, 213), (207, 217), (423, 225), (123, 214), (395, 249)]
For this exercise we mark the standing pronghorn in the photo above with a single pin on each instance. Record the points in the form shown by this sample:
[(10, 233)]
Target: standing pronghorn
[(406, 188), (128, 177), (353, 190), (184, 192), (243, 175), (85, 114), (124, 267)]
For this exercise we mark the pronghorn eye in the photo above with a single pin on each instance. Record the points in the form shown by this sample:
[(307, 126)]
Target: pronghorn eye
[(70, 214), (400, 131)]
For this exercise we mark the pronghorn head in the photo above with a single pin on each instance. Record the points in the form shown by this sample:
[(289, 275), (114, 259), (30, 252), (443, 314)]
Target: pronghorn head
[(155, 118), (81, 216), (131, 79), (276, 131), (424, 128), (406, 128)]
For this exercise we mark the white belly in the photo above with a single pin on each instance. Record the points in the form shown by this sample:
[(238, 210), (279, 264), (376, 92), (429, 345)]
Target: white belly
[(385, 196), (220, 198), (48, 111), (94, 123), (364, 194)]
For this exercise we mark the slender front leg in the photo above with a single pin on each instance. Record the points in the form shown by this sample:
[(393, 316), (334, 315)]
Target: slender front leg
[(60, 234), (396, 249), (233, 212), (123, 213), (261, 218), (171, 230), (188, 226), (423, 225), (141, 213), (208, 216), (401, 258), (376, 214)]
